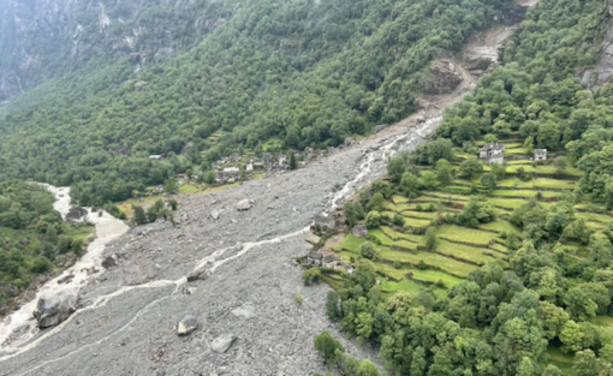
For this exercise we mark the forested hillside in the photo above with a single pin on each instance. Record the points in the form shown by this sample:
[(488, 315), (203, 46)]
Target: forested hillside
[(33, 238), (306, 73), (500, 268)]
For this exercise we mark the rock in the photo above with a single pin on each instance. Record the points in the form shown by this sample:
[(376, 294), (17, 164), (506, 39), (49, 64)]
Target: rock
[(323, 224), (222, 343), (201, 273), (65, 279), (359, 231), (109, 262), (443, 78), (348, 141), (243, 205), (380, 127), (52, 310), (187, 325), (247, 311), (215, 214), (24, 241), (312, 238)]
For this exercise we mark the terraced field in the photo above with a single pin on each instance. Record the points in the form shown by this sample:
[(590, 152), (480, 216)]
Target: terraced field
[(406, 264)]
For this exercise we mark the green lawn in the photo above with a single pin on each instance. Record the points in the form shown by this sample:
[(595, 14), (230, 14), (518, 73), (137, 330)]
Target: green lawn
[(453, 267), (464, 234), (500, 226), (524, 193), (539, 183), (465, 252), (563, 361), (399, 199)]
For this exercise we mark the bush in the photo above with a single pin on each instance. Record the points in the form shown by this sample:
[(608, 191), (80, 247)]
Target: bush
[(64, 243), (440, 284), (368, 251), (353, 212), (398, 220), (419, 207), (298, 298), (422, 265), (311, 276), (397, 264), (332, 306), (431, 238), (373, 219), (40, 265)]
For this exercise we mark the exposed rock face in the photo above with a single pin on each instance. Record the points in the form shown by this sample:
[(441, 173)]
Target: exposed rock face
[(444, 77), (594, 78), (52, 310), (187, 325), (243, 205), (222, 343), (78, 31)]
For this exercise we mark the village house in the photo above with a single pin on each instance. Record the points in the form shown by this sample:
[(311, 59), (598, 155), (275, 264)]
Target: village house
[(540, 154), (158, 189), (157, 157), (488, 150), (249, 167), (283, 161)]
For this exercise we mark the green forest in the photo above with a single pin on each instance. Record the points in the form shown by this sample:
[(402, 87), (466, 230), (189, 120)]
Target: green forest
[(33, 237), (493, 269), (303, 73)]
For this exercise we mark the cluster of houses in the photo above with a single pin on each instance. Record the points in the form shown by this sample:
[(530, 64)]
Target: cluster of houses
[(494, 153)]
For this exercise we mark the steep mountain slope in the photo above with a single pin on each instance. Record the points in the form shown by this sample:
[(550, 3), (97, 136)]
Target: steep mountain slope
[(305, 73), (43, 39)]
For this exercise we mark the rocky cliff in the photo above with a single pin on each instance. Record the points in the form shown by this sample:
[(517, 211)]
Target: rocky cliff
[(41, 39)]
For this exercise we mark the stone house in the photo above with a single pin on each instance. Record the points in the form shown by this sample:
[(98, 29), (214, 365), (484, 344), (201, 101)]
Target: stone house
[(488, 150), (540, 154), (496, 157), (331, 261)]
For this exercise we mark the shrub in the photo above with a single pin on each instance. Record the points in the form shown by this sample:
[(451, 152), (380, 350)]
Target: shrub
[(431, 238), (311, 276), (397, 264), (298, 298), (373, 219), (422, 265), (398, 220), (368, 251)]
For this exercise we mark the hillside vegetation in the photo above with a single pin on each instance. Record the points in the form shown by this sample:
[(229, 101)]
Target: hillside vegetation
[(501, 269), (33, 238), (304, 73)]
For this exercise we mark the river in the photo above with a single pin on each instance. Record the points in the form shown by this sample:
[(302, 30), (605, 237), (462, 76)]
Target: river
[(20, 326)]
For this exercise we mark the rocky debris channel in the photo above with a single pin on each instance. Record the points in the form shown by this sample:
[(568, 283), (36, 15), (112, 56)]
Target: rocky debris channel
[(216, 295), (213, 296)]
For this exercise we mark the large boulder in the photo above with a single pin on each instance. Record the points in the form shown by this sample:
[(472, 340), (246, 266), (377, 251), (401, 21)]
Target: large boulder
[(187, 325), (247, 311), (359, 231), (201, 273), (215, 214), (443, 78), (222, 343), (52, 310), (243, 205)]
